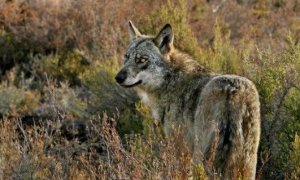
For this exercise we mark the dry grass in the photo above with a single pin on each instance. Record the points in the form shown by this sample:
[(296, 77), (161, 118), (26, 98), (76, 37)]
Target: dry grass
[(43, 151), (57, 64)]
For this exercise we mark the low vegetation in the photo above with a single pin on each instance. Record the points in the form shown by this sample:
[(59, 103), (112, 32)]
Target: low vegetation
[(64, 117)]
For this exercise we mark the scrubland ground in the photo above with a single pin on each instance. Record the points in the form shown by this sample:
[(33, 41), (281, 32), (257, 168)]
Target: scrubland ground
[(64, 117)]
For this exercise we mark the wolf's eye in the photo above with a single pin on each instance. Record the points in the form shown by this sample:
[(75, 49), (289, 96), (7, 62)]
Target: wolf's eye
[(142, 59)]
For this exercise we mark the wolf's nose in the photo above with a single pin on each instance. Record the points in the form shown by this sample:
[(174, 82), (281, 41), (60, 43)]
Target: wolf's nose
[(121, 76)]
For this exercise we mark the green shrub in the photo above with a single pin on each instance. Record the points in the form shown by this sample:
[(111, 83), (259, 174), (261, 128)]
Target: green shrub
[(295, 159), (174, 13), (17, 101), (60, 59), (64, 67), (222, 57), (13, 53), (277, 80), (107, 96)]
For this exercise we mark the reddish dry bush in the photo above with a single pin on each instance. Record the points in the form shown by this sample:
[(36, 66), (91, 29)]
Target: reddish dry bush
[(44, 151), (62, 25), (52, 24), (101, 26), (265, 22), (31, 30)]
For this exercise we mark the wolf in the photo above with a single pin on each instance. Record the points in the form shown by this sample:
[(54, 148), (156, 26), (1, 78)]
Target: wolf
[(220, 113)]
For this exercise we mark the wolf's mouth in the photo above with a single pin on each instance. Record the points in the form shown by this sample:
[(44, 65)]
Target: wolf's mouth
[(135, 84)]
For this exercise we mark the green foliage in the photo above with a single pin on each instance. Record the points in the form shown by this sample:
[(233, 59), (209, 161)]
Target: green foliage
[(13, 52), (269, 76), (277, 80), (17, 101), (65, 67), (174, 13), (222, 56), (107, 96), (295, 159), (57, 62), (287, 137)]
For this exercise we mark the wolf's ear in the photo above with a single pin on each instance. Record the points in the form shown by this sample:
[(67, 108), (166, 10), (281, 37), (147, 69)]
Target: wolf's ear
[(133, 31), (164, 39)]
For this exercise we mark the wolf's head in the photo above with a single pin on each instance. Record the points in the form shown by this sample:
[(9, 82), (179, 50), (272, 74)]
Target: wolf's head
[(145, 60)]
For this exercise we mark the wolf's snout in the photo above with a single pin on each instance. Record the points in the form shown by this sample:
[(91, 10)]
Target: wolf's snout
[(121, 76)]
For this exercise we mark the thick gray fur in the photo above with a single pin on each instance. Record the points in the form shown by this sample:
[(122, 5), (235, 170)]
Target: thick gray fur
[(220, 113)]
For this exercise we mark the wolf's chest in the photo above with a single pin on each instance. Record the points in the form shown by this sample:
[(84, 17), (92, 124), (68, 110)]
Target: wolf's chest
[(148, 100)]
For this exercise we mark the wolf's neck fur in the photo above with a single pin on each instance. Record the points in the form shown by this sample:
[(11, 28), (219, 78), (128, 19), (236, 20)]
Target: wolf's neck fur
[(181, 71), (183, 82), (183, 62)]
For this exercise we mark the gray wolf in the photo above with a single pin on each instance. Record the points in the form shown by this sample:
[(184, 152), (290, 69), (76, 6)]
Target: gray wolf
[(220, 113)]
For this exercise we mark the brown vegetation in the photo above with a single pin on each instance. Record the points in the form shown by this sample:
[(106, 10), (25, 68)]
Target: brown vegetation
[(58, 60)]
